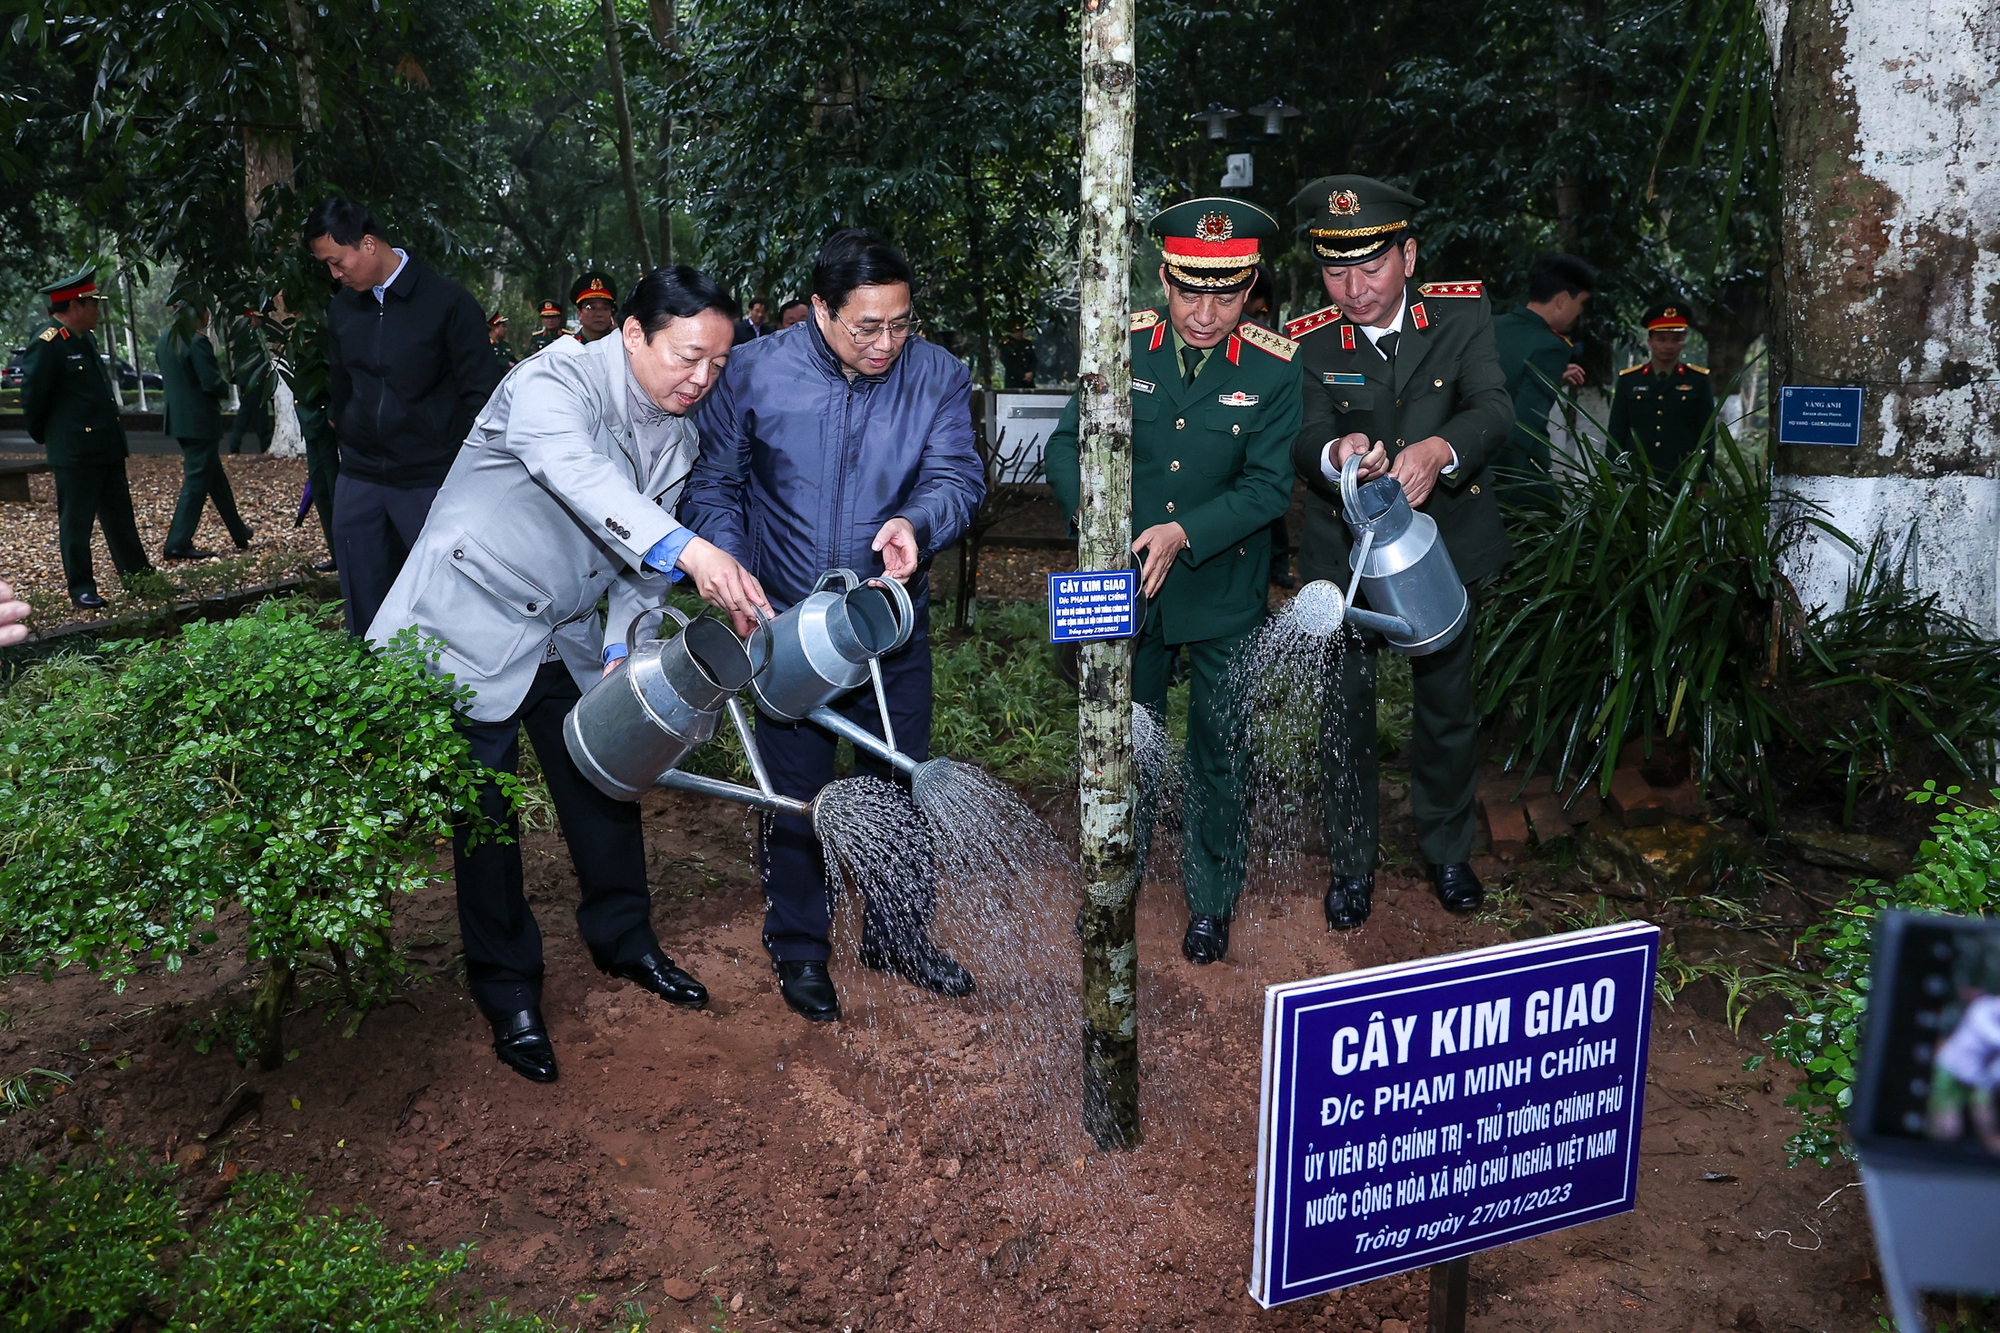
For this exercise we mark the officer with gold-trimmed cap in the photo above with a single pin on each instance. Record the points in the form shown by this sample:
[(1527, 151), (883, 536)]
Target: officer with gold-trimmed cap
[(1665, 406), (596, 302), (551, 330), (1403, 375), (1215, 406), (72, 410)]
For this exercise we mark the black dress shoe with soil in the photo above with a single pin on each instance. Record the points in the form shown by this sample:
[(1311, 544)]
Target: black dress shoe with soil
[(1457, 887), (522, 1043), (88, 601), (808, 988), (1207, 939), (190, 553), (656, 972), (928, 967), (243, 542), (327, 566), (1348, 901)]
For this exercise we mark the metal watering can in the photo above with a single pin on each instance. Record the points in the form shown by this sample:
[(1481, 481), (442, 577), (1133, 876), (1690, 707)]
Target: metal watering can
[(658, 704), (1400, 562)]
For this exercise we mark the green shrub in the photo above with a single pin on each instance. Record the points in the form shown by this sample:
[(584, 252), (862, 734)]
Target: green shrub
[(1957, 873), (92, 1244), (265, 762), (999, 702)]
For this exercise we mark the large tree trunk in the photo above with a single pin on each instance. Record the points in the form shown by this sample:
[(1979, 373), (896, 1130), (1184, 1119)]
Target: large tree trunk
[(666, 36), (1888, 123), (628, 165), (1104, 430)]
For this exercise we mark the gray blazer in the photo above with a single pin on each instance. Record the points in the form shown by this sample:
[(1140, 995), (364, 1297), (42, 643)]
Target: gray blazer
[(566, 481)]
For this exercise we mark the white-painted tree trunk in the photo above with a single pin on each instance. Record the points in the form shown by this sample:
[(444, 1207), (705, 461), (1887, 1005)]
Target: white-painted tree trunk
[(288, 440), (1889, 139)]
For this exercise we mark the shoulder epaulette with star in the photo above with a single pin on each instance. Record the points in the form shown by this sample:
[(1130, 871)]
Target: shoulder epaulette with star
[(1305, 324), (1633, 370), (53, 332), (1144, 319), (1277, 344), (1453, 289), (1699, 370)]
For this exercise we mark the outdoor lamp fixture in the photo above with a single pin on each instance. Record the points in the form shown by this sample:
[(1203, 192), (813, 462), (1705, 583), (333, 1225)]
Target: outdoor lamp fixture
[(1275, 113), (1216, 118)]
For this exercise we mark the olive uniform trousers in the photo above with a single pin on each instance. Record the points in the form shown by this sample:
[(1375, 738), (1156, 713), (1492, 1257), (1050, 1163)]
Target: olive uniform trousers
[(96, 493), (202, 480)]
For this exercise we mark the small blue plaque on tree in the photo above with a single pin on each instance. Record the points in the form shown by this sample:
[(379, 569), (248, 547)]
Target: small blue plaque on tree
[(1819, 415), (1093, 604)]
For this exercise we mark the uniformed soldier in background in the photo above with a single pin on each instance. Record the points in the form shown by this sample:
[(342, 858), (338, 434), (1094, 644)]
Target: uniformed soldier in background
[(194, 390), (66, 396), (1537, 357), (552, 328), (1665, 406), (496, 334), (1402, 375), (596, 302), (1215, 406)]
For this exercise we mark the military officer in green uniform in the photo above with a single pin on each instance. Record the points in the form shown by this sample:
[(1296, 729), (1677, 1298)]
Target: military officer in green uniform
[(1402, 375), (194, 391), (1665, 406), (1535, 355), (596, 302), (552, 328), (67, 398), (1215, 406), (496, 334)]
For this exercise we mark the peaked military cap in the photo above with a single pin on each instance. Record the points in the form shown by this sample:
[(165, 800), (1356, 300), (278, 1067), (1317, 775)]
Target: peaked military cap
[(1211, 245), (1669, 316), (497, 318), (1355, 218), (551, 308), (79, 284), (593, 286)]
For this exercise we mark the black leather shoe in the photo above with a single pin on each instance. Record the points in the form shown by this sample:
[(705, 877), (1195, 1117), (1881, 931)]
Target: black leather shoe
[(190, 553), (88, 601), (327, 566), (243, 542), (522, 1044), (808, 988), (1207, 939), (1457, 887), (1348, 900), (656, 972), (928, 967)]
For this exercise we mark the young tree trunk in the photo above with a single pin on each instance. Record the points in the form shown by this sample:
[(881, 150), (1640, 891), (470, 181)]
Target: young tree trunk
[(302, 57), (1104, 694), (267, 1013), (628, 165), (1888, 121), (666, 36)]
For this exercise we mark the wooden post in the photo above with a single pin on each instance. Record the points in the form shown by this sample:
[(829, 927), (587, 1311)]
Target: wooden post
[(1104, 441), (1448, 1296)]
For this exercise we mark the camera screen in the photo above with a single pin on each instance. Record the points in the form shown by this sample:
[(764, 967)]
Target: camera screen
[(1934, 1075)]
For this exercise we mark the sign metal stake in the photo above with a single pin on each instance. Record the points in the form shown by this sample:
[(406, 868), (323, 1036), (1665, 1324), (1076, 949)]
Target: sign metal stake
[(1448, 1295)]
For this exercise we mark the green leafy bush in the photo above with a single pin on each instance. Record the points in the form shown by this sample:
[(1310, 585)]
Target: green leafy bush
[(1957, 873), (999, 701), (95, 1243), (265, 762)]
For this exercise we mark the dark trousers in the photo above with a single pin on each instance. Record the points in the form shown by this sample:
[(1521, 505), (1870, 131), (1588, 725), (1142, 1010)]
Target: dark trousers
[(1213, 833), (1444, 753), (323, 470), (798, 899), (374, 527), (1281, 549), (503, 945), (96, 493), (253, 418), (202, 480)]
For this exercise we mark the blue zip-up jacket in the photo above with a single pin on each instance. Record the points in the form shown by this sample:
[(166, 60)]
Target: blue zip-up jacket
[(800, 467)]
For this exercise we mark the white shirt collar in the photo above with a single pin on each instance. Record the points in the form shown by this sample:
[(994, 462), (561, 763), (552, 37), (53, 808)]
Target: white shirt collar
[(1395, 325), (402, 261)]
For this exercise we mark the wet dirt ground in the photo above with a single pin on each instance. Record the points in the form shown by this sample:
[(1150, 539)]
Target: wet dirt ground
[(740, 1169)]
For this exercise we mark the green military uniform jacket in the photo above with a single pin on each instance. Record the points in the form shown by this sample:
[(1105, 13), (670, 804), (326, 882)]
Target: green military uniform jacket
[(541, 338), (1670, 416), (1210, 456), (67, 398), (194, 387), (1446, 383), (505, 355), (1533, 357)]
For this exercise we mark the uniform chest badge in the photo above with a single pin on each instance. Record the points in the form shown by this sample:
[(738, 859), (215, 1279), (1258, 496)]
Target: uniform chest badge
[(1143, 386), (1336, 377), (1237, 399), (1419, 317), (1347, 337)]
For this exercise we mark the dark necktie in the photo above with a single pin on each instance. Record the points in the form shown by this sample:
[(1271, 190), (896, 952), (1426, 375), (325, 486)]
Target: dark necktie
[(1386, 345), (1190, 363)]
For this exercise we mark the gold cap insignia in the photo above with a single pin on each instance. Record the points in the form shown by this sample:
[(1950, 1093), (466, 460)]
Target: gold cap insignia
[(1214, 227), (1343, 203), (1671, 313)]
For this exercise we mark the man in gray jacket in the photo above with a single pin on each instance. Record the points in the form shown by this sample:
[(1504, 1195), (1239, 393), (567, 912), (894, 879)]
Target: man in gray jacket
[(563, 494)]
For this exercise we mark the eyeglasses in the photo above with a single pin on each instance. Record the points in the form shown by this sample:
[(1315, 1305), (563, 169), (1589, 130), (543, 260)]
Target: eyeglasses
[(897, 330)]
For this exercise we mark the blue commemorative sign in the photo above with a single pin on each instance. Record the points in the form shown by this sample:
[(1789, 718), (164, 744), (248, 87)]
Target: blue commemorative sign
[(1809, 415), (1093, 604), (1426, 1110)]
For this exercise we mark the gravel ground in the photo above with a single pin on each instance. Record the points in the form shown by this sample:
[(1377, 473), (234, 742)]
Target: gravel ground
[(267, 495)]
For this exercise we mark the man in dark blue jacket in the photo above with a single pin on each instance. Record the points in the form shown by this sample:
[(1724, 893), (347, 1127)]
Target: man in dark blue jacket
[(844, 441)]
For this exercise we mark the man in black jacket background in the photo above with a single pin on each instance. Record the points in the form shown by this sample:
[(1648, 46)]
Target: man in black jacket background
[(409, 367)]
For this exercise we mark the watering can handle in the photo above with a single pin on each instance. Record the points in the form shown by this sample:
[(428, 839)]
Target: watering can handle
[(846, 576), (1350, 489), (632, 628)]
